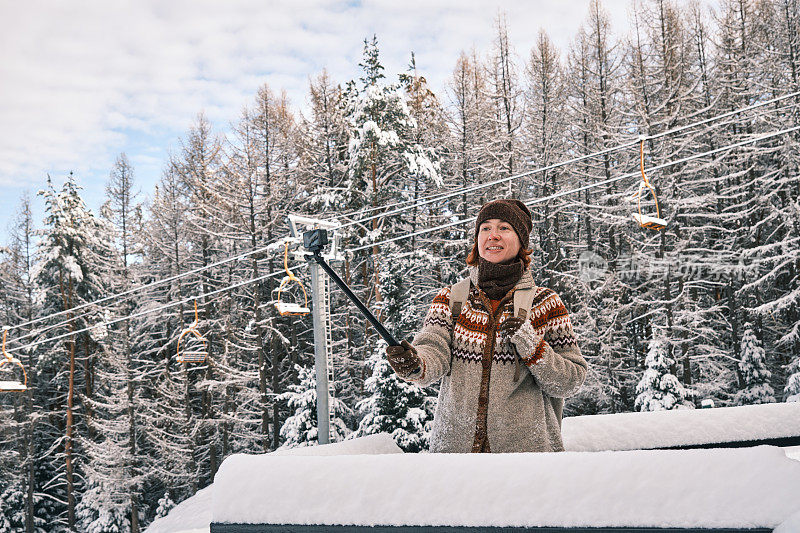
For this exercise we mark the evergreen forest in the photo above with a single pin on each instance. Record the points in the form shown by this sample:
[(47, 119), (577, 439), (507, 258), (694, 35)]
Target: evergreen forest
[(113, 431)]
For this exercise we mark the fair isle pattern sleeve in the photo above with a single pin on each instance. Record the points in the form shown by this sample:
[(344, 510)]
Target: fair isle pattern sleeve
[(434, 340), (548, 346)]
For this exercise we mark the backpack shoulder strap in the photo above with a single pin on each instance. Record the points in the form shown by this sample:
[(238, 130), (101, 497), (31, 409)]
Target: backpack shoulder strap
[(523, 298), (458, 295)]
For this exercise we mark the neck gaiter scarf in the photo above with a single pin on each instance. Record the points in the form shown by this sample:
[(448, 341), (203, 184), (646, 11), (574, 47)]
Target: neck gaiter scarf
[(496, 279)]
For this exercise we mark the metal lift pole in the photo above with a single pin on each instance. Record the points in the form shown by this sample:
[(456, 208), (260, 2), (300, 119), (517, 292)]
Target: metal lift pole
[(319, 306), (323, 338)]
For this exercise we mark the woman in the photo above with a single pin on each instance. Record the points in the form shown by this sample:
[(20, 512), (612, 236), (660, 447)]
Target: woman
[(485, 403)]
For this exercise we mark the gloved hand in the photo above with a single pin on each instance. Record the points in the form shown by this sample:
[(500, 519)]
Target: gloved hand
[(403, 359), (519, 331), (511, 325)]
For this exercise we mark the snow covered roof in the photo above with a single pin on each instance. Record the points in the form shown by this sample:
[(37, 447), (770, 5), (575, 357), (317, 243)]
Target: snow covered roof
[(653, 488), (703, 488), (682, 427)]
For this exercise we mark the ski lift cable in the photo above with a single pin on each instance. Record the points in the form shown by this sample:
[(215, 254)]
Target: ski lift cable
[(416, 203), (584, 187), (438, 197), (37, 332), (146, 312), (133, 291)]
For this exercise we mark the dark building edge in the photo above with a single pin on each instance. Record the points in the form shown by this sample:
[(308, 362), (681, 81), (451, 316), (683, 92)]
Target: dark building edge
[(288, 528), (782, 442)]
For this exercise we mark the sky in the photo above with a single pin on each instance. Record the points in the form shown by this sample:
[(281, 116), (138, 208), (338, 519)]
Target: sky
[(82, 82)]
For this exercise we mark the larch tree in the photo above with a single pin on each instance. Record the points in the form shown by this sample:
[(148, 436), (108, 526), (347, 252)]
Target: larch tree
[(115, 448), (468, 117), (169, 438), (28, 506), (506, 97), (544, 137), (595, 100)]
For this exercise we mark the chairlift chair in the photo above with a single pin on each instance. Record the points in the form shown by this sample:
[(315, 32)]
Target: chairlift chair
[(290, 308), (12, 385), (647, 221), (195, 347)]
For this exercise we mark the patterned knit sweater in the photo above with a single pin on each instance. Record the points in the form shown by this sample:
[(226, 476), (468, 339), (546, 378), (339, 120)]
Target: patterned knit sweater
[(481, 407)]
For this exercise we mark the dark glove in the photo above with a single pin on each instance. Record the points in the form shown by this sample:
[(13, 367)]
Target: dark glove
[(511, 325), (403, 358)]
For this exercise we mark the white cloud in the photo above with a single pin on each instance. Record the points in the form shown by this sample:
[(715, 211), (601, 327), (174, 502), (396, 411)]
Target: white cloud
[(83, 81)]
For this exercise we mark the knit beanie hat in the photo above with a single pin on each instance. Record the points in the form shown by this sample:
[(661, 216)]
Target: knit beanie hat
[(512, 211)]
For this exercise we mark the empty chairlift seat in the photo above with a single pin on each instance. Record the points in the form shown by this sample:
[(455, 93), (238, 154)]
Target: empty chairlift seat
[(13, 377)]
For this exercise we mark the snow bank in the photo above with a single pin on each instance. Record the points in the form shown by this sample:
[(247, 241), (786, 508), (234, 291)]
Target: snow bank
[(792, 452), (790, 525), (381, 443), (192, 515), (681, 427), (727, 487)]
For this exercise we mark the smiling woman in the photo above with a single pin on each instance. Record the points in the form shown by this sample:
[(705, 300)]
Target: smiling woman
[(491, 325), (497, 241)]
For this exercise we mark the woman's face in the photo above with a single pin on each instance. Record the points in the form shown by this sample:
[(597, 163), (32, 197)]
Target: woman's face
[(497, 241)]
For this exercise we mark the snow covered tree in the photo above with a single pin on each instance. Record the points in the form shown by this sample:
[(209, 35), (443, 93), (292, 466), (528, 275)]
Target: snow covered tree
[(113, 470), (668, 78), (753, 368), (384, 154), (429, 130), (506, 99), (113, 450), (595, 99), (300, 429), (97, 512), (659, 389), (169, 428), (17, 301), (393, 405), (544, 139), (260, 189), (468, 118), (323, 158), (12, 510), (73, 259), (792, 389), (280, 187), (165, 505), (384, 161)]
